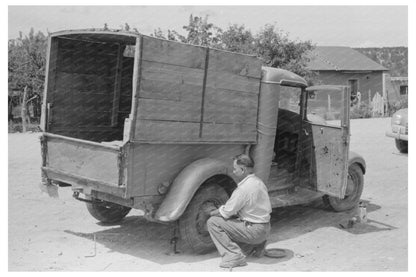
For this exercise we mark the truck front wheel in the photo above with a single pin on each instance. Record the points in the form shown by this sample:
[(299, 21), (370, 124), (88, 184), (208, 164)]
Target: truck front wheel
[(107, 212), (193, 222), (401, 145), (355, 185)]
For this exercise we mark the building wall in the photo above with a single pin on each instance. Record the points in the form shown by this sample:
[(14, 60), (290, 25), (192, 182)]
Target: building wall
[(368, 83), (393, 85)]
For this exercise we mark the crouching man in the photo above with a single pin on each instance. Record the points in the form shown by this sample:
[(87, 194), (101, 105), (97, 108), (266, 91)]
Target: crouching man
[(244, 220)]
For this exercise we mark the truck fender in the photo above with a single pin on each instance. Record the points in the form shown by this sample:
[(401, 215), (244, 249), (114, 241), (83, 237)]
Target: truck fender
[(186, 184), (358, 159)]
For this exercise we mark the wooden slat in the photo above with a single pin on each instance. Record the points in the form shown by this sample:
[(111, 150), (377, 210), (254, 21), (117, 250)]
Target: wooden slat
[(166, 130), (83, 160), (117, 87), (229, 114), (229, 132), (87, 63), (234, 63), (81, 82), (230, 81), (172, 73), (168, 110), (175, 53), (88, 47), (226, 106)]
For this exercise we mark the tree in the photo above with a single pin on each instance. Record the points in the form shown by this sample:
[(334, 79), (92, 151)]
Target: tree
[(238, 39), (26, 67), (271, 45), (275, 48), (198, 32)]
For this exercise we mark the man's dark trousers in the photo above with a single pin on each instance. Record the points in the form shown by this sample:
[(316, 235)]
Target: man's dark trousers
[(227, 234)]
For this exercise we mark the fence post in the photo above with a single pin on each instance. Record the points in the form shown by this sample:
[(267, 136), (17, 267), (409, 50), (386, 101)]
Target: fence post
[(23, 111)]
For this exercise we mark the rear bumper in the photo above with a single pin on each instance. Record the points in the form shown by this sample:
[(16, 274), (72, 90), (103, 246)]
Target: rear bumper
[(87, 184)]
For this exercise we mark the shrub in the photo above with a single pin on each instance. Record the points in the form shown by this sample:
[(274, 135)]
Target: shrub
[(399, 104), (362, 111)]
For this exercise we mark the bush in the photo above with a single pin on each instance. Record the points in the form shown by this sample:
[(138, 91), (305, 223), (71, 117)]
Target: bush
[(16, 127), (362, 111), (398, 105)]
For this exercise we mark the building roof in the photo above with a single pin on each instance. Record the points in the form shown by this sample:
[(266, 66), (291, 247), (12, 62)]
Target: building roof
[(340, 58)]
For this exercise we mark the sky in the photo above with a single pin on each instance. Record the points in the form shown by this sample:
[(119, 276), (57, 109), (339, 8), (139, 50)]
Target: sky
[(354, 26)]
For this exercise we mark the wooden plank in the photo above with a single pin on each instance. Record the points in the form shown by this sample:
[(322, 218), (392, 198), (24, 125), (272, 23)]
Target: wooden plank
[(170, 52), (229, 114), (82, 82), (63, 176), (166, 130), (230, 81), (137, 76), (166, 90), (88, 47), (83, 160), (117, 87), (231, 98), (234, 63), (168, 110), (172, 73), (229, 132), (87, 63), (225, 106), (50, 80)]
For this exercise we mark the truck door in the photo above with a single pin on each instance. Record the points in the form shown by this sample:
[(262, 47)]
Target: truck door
[(325, 131)]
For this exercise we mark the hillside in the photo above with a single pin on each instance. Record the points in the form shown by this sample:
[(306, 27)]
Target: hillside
[(393, 58)]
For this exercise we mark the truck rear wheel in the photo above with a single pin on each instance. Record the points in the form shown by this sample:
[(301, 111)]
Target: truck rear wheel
[(355, 185), (401, 145), (193, 223), (107, 212)]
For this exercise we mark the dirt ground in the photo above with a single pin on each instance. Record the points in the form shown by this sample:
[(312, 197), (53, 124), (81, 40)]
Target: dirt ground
[(47, 234)]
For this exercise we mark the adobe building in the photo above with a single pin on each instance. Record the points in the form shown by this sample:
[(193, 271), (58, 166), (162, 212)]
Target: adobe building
[(338, 65)]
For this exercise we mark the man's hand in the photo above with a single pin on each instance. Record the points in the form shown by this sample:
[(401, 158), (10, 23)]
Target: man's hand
[(208, 208), (215, 212)]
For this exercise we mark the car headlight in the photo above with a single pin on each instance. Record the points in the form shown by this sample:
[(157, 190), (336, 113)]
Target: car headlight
[(397, 119)]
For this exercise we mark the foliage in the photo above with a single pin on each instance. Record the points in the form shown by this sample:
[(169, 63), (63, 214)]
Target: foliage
[(361, 111), (198, 32), (398, 105), (27, 60), (26, 69), (270, 44), (393, 58)]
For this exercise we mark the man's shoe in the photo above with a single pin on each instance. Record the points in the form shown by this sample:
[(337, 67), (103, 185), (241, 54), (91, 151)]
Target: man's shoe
[(234, 263), (258, 250)]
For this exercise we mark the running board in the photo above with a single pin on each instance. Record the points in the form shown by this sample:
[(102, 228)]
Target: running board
[(300, 196)]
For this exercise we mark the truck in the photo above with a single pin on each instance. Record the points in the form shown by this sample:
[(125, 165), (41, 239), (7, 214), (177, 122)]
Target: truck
[(130, 121)]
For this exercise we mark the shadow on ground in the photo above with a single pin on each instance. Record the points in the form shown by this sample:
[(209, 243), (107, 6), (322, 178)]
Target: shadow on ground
[(147, 240)]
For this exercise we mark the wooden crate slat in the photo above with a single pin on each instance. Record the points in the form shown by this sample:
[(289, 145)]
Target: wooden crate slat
[(234, 63), (166, 130), (169, 52), (230, 81), (158, 109), (229, 132)]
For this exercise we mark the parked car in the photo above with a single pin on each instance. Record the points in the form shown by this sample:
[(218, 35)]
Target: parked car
[(399, 130)]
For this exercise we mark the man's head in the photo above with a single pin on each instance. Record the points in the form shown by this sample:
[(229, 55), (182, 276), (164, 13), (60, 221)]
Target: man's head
[(243, 165)]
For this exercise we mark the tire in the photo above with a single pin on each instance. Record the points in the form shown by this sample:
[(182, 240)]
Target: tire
[(193, 222), (356, 185), (401, 145), (107, 212)]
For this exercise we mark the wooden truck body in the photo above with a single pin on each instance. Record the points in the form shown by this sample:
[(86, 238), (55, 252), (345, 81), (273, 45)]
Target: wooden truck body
[(145, 123)]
